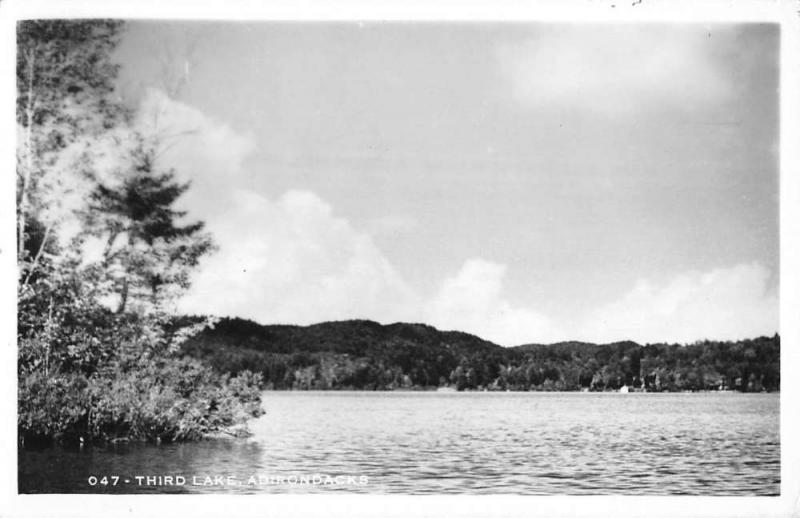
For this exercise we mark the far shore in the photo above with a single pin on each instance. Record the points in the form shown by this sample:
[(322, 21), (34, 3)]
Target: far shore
[(435, 390)]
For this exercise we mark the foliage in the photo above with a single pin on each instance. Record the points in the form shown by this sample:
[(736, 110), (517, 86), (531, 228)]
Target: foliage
[(65, 79), (145, 250), (52, 405), (169, 400), (366, 355), (88, 371)]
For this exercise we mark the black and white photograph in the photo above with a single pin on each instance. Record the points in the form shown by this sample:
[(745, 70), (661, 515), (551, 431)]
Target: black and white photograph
[(370, 256)]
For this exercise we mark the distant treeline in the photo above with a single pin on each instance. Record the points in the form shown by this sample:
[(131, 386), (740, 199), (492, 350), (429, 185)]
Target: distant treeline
[(365, 355)]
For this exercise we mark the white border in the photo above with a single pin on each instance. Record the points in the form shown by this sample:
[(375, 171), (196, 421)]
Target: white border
[(783, 12)]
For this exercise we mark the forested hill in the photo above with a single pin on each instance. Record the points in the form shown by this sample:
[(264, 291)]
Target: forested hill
[(360, 354)]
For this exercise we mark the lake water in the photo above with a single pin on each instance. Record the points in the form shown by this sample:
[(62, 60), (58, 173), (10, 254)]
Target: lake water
[(434, 443)]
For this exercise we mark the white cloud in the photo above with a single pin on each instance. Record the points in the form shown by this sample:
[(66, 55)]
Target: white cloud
[(472, 301), (614, 70), (293, 260), (205, 151), (726, 303), (287, 260)]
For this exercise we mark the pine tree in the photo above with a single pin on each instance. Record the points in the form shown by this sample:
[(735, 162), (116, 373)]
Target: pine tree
[(148, 254)]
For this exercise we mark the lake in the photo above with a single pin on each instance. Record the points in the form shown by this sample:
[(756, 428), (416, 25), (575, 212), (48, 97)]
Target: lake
[(535, 443)]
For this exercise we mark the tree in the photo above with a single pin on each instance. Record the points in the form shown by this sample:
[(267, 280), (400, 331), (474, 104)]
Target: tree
[(65, 80), (84, 370), (146, 249)]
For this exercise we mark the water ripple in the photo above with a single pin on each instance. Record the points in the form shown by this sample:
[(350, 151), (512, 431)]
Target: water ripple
[(428, 443)]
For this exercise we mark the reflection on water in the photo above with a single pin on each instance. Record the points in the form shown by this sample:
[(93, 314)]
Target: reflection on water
[(413, 442)]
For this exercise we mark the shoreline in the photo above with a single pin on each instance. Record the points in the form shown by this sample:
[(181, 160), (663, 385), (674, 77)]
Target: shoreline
[(435, 391)]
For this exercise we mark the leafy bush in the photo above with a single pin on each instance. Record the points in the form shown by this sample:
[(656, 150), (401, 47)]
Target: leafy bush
[(174, 399), (87, 372), (168, 399), (52, 407)]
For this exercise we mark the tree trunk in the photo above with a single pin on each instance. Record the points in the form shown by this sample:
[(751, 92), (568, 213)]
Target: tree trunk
[(125, 282), (124, 295), (26, 174)]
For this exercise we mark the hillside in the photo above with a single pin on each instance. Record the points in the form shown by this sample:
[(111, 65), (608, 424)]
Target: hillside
[(361, 354)]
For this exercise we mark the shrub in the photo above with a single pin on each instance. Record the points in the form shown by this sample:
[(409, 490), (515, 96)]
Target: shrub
[(52, 406), (138, 389)]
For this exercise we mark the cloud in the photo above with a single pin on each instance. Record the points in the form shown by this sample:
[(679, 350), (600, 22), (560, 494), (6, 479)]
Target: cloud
[(723, 304), (726, 303), (289, 259), (472, 301), (292, 259), (617, 69), (200, 149)]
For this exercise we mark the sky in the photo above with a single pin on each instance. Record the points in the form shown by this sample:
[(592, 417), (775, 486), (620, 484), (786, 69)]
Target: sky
[(522, 182)]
